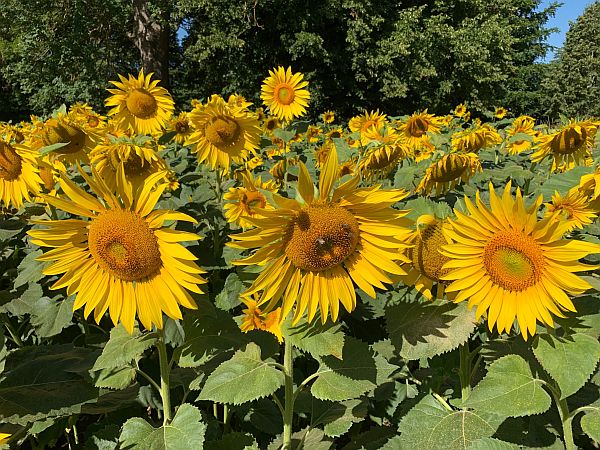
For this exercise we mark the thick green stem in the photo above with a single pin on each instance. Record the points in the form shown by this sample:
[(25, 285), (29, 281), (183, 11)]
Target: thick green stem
[(565, 417), (288, 411), (165, 391), (465, 371)]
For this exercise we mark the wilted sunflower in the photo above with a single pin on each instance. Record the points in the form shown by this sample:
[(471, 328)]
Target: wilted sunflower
[(571, 145), (181, 126), (328, 116), (448, 172), (222, 134), (500, 113), (417, 126), (362, 123), (380, 159), (255, 319), (138, 162), (313, 251), (247, 201), (425, 271), (512, 265), (284, 94), (521, 125), (19, 176), (574, 209), (140, 104), (475, 138), (120, 257)]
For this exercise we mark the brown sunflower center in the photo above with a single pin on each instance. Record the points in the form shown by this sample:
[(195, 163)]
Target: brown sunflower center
[(321, 237), (182, 126), (425, 254), (448, 169), (284, 93), (513, 260), (251, 200), (141, 103), (122, 243), (66, 133), (569, 141), (417, 126), (10, 163), (222, 131)]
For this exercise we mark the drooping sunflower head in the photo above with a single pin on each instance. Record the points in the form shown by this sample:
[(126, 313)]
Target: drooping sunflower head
[(425, 269), (139, 104), (417, 126), (247, 200), (284, 93), (19, 175), (570, 146), (377, 162), (475, 138), (512, 265), (451, 170), (500, 113), (115, 253), (222, 134), (138, 162), (181, 126), (522, 125), (328, 116), (314, 249), (334, 133), (72, 131), (322, 153), (574, 209)]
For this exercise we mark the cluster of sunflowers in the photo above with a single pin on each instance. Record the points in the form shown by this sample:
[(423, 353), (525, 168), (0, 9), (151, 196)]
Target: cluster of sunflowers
[(313, 244)]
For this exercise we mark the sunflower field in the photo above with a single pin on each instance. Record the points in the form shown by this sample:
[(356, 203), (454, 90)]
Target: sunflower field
[(235, 276)]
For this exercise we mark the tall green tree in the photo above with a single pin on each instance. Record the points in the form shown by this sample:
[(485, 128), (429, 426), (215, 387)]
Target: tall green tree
[(572, 84)]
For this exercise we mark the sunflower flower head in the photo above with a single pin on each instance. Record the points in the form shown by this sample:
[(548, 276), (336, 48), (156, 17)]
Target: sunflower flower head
[(247, 200), (475, 138), (522, 125), (500, 112), (451, 170), (285, 93), (460, 110), (19, 175), (116, 255), (328, 116), (511, 265), (589, 184), (181, 126), (416, 127), (574, 209), (314, 250), (255, 319)]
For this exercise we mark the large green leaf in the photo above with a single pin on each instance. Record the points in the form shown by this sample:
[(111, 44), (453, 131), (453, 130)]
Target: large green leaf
[(590, 423), (229, 297), (489, 443), (123, 348), (337, 417), (429, 426), (315, 338), (245, 377), (51, 316), (185, 432), (570, 360), (510, 390), (423, 330), (562, 182), (359, 371)]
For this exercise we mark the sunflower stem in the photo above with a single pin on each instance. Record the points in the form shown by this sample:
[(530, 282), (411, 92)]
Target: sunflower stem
[(565, 416), (165, 391), (465, 371), (288, 412)]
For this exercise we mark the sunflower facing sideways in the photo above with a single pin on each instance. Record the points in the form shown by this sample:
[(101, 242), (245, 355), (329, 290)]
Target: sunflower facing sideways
[(284, 93), (139, 104), (119, 257), (451, 170), (522, 125), (510, 264), (222, 134), (417, 126), (312, 252), (19, 175), (247, 200), (574, 208)]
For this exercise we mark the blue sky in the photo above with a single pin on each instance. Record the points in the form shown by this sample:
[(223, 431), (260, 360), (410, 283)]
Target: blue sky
[(570, 10)]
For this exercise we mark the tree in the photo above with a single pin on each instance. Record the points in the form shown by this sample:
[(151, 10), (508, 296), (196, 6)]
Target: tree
[(573, 81)]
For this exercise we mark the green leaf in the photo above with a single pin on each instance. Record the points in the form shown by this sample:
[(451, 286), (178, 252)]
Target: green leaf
[(123, 348), (265, 416), (229, 297), (51, 316), (316, 339), (578, 352), (46, 381), (53, 147), (185, 432), (509, 390), (562, 182), (313, 439), (245, 377), (429, 426), (590, 423), (358, 372), (337, 417), (30, 270), (233, 441), (374, 439), (283, 134), (489, 443), (114, 378), (423, 205), (423, 330), (24, 304)]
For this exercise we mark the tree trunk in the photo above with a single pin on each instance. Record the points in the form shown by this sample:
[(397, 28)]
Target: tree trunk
[(151, 36)]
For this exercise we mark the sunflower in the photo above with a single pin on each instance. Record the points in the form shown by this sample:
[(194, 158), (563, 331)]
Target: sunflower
[(328, 116), (334, 133), (322, 153), (448, 172), (19, 176), (521, 125), (238, 101), (138, 162), (500, 113), (247, 201), (314, 250), (313, 133), (381, 158), (589, 184), (424, 271), (181, 126), (571, 145), (140, 104), (347, 168), (69, 129), (255, 319), (363, 122), (475, 138), (284, 94), (272, 123), (513, 265), (460, 110), (222, 134), (85, 113), (574, 209), (417, 126), (120, 257)]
